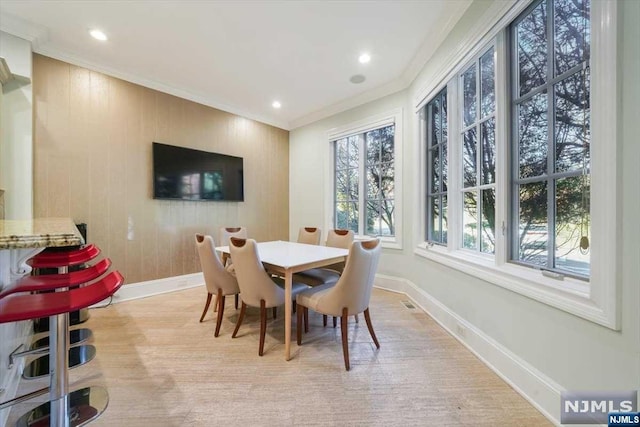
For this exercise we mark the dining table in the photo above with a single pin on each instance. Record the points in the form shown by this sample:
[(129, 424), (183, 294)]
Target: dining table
[(287, 258)]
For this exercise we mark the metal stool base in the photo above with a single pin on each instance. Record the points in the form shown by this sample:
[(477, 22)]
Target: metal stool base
[(76, 336), (85, 405), (78, 356), (75, 318)]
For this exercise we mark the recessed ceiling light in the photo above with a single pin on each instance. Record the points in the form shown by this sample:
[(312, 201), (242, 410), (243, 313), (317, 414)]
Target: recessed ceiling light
[(357, 79), (98, 35), (276, 104), (364, 58)]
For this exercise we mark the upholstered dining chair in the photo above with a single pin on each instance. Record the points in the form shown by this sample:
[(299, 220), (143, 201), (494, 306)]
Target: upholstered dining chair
[(257, 287), (309, 235), (329, 274), (350, 295), (217, 278), (228, 232)]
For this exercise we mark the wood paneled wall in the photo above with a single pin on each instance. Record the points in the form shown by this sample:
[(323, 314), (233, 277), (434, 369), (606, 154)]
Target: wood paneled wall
[(93, 163)]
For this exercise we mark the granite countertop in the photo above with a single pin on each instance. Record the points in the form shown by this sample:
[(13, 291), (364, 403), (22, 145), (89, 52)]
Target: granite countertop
[(38, 233)]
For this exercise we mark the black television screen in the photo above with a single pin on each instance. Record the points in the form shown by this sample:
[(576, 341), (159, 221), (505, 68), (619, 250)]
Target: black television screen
[(187, 174)]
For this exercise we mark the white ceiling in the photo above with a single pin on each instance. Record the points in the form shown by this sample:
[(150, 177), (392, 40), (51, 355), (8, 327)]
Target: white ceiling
[(240, 56)]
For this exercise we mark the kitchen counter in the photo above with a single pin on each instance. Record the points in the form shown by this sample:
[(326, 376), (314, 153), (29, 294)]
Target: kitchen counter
[(38, 233)]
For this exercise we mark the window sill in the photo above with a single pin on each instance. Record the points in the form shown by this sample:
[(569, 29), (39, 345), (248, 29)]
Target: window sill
[(570, 295)]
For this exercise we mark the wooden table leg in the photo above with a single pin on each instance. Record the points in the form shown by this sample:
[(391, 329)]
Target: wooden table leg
[(288, 280)]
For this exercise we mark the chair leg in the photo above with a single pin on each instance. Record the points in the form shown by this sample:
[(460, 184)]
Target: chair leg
[(306, 320), (335, 321), (237, 298), (263, 326), (345, 341), (206, 306), (367, 318), (324, 320), (243, 307), (355, 316), (298, 325), (220, 300), (275, 312), (295, 304)]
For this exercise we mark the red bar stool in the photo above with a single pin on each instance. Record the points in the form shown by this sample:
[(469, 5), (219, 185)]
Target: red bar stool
[(80, 354), (49, 282), (64, 409)]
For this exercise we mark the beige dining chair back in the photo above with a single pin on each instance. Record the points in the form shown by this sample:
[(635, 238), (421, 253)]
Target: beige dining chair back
[(309, 235), (257, 287), (227, 232), (339, 239), (330, 274), (349, 296), (218, 280)]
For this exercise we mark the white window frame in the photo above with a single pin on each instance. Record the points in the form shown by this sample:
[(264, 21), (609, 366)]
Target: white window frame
[(361, 126), (597, 299)]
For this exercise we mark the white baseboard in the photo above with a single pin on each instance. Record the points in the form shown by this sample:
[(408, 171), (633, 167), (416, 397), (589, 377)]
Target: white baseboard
[(155, 287), (541, 391)]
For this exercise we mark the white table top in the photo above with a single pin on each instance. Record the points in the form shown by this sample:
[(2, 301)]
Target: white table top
[(291, 254)]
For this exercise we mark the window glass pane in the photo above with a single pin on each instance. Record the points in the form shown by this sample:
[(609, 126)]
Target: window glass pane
[(353, 217), (342, 185), (532, 224), (435, 170), (373, 217), (434, 206), (444, 219), (469, 157), (470, 220), (572, 122), (373, 141), (572, 224), (487, 234), (354, 154), (387, 139), (342, 215), (488, 130), (572, 33), (373, 182), (531, 39), (445, 130), (353, 184), (444, 167), (469, 95), (435, 121), (341, 153), (533, 136), (387, 208), (487, 84), (387, 181)]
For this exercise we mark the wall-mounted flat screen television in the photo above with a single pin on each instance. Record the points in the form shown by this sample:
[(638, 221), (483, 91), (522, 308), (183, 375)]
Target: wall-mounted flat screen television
[(186, 174)]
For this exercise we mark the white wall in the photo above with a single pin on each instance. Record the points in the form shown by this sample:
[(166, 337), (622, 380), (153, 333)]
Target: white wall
[(16, 130), (572, 352)]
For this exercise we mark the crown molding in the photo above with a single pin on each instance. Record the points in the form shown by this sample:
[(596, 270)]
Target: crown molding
[(394, 86), (16, 26)]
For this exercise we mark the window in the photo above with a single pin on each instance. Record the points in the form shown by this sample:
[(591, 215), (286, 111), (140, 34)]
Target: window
[(478, 138), (437, 125), (551, 136), (526, 189), (365, 185)]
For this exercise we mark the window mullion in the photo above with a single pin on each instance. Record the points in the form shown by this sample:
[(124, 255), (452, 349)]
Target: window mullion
[(362, 186), (551, 138), (454, 199), (502, 149)]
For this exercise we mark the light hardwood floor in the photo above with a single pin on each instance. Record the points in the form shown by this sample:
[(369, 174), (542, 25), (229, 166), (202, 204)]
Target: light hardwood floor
[(163, 368)]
